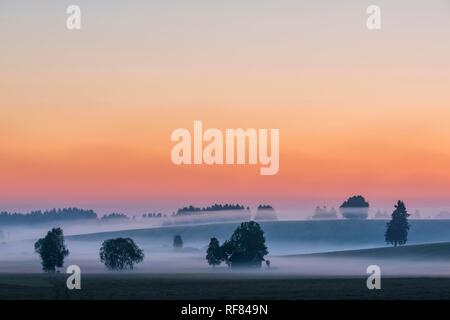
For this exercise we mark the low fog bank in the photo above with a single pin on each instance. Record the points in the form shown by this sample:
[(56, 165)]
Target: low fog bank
[(23, 232), (13, 232), (321, 266), (19, 257), (333, 233), (289, 237), (283, 239)]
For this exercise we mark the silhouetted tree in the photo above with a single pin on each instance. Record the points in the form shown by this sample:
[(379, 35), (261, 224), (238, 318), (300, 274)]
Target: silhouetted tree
[(52, 250), (152, 215), (226, 250), (355, 202), (246, 246), (114, 217), (324, 213), (120, 254), (265, 207), (177, 242), (249, 237), (191, 210), (265, 212), (355, 207), (213, 253), (397, 228)]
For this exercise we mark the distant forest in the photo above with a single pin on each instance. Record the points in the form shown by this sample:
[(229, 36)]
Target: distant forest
[(74, 214), (66, 214), (265, 207), (215, 207), (115, 216)]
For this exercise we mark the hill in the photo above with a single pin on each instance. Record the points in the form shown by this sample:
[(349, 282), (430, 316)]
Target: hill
[(288, 237), (423, 252)]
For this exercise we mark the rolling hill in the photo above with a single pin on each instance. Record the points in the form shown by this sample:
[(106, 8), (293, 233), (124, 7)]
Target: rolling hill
[(423, 252)]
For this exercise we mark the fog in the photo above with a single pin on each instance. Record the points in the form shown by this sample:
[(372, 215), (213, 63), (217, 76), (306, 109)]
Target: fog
[(295, 247), (19, 257), (14, 233)]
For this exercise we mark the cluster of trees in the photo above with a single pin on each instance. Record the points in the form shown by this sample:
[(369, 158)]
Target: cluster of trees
[(215, 207), (63, 215), (153, 215), (66, 214), (246, 247), (116, 254), (265, 212), (115, 216), (73, 214), (324, 213), (265, 207), (355, 207), (355, 202)]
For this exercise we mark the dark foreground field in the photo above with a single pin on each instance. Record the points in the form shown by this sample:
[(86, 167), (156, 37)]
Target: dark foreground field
[(211, 286)]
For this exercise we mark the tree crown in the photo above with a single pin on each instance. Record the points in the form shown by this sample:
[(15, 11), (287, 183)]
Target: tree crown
[(52, 250), (120, 254)]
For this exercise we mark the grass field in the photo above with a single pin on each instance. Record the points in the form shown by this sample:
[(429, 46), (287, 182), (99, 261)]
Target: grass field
[(220, 286), (309, 260)]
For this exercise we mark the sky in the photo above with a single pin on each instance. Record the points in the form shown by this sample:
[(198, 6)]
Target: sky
[(86, 115)]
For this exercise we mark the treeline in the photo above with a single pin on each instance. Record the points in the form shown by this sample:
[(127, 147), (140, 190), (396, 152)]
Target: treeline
[(73, 214), (265, 207), (66, 214), (115, 216), (154, 215), (215, 207), (122, 217)]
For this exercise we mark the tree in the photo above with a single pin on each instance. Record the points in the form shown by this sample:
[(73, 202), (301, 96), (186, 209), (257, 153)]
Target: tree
[(355, 202), (246, 246), (226, 251), (52, 250), (120, 254), (177, 242), (213, 253), (249, 237), (355, 207), (397, 228)]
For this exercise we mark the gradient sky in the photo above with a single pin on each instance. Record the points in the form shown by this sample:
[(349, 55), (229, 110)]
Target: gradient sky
[(86, 116)]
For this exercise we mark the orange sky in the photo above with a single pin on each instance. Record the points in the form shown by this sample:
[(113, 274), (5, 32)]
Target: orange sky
[(86, 116)]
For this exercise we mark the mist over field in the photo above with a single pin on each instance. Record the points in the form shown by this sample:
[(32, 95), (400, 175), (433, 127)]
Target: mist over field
[(321, 248)]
